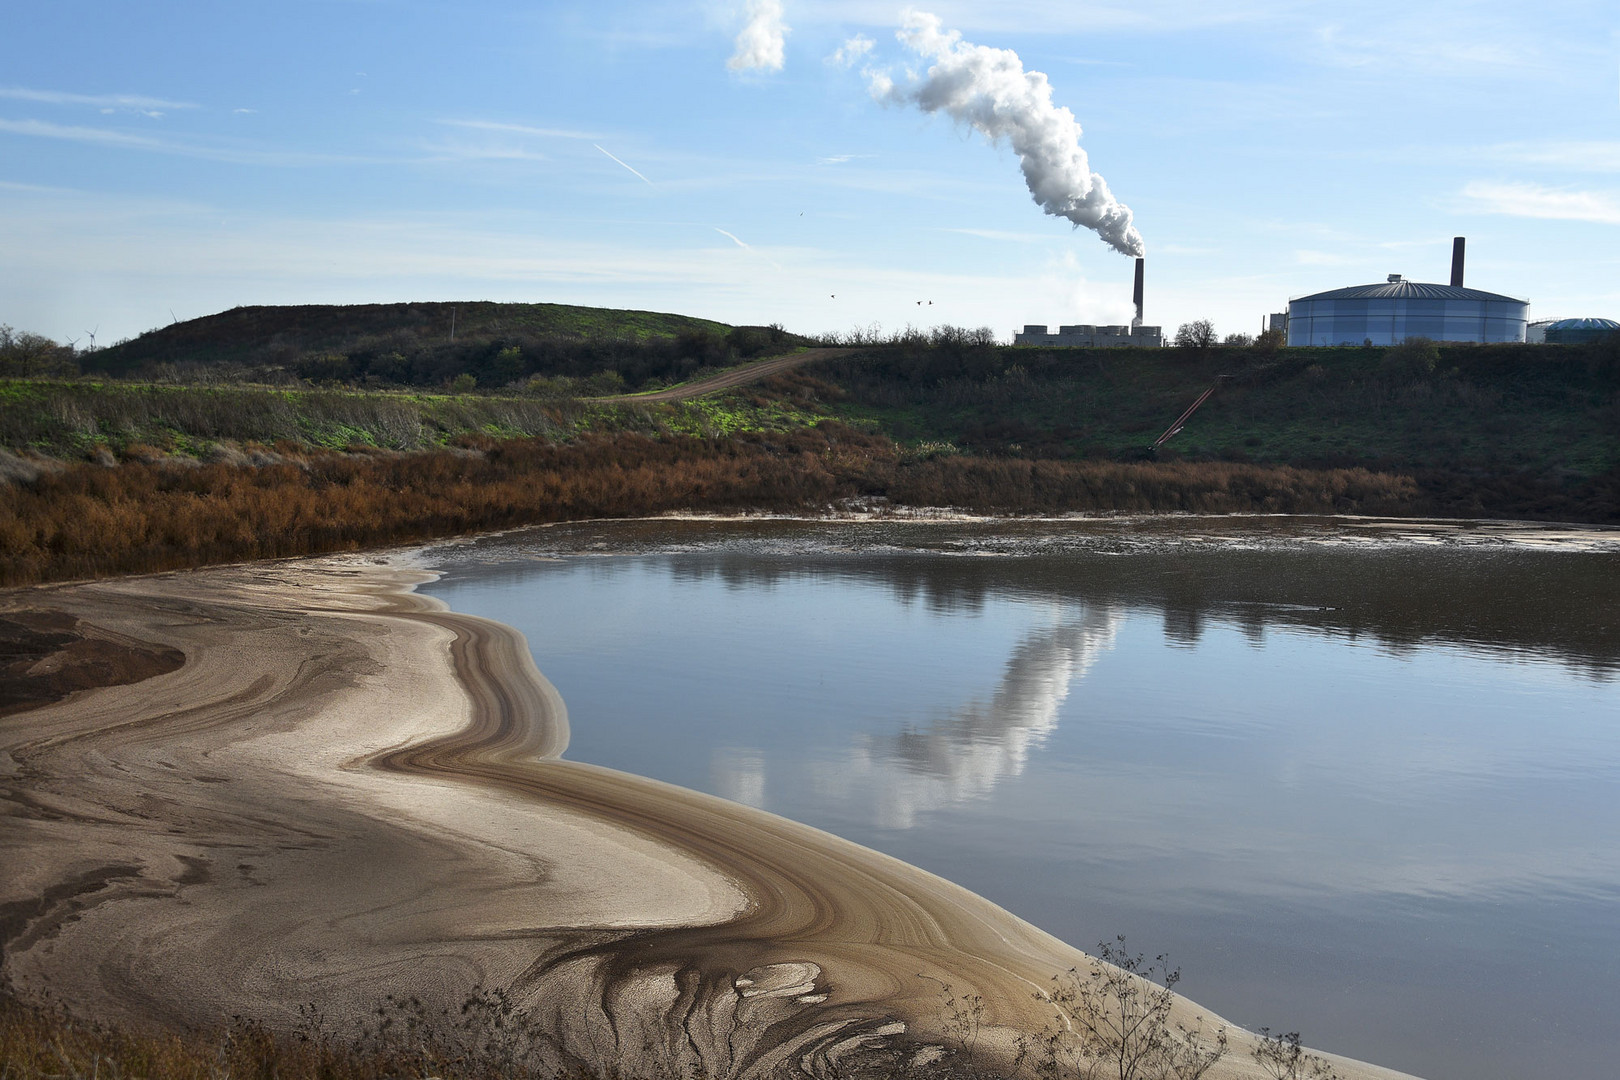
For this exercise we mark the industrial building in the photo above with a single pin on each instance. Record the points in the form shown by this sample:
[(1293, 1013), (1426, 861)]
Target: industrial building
[(1086, 336), (1572, 331), (1389, 313)]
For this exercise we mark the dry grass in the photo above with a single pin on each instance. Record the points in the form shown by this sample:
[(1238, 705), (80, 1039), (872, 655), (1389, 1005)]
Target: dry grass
[(478, 1042)]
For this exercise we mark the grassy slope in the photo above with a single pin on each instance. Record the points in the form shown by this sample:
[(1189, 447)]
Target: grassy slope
[(1552, 412), (72, 418), (69, 419)]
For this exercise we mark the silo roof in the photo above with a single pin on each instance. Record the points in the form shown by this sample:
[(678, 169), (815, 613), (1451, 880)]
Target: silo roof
[(1584, 324), (1408, 290)]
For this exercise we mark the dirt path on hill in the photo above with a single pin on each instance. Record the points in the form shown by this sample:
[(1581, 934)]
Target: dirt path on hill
[(738, 376)]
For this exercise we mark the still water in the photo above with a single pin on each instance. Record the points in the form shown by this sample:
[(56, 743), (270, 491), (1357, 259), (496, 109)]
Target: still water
[(1357, 779)]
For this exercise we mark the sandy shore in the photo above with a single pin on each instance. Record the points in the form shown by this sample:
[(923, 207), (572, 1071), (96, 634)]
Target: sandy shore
[(347, 791)]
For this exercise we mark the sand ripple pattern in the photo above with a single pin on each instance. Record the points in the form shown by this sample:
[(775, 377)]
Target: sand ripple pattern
[(347, 791)]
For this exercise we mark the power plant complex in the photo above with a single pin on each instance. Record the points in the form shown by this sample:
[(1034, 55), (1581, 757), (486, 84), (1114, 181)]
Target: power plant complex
[(1386, 313), (1084, 335)]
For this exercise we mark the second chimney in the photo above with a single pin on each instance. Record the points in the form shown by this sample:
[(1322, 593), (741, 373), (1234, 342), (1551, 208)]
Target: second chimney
[(1137, 295), (1457, 246)]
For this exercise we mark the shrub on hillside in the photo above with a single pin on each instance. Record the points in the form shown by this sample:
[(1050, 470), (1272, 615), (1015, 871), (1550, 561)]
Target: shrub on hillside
[(1411, 360), (1198, 334), (23, 353)]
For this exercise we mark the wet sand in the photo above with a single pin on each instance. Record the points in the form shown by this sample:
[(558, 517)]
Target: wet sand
[(347, 791)]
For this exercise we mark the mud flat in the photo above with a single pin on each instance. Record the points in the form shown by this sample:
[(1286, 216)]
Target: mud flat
[(346, 791)]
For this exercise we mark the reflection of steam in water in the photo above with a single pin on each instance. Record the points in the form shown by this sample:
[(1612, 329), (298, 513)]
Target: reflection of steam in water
[(968, 753), (739, 775)]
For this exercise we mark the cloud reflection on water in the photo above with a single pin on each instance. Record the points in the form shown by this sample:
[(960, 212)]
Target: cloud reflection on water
[(739, 775), (966, 754)]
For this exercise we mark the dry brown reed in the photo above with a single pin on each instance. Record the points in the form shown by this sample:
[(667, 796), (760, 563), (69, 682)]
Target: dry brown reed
[(87, 520)]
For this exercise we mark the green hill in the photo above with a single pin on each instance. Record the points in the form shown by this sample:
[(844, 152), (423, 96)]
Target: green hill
[(272, 334), (431, 344)]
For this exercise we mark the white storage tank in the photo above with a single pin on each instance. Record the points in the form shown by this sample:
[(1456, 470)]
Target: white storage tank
[(1390, 313)]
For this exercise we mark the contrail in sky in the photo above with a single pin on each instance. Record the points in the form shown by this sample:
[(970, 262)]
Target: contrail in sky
[(598, 146), (746, 247)]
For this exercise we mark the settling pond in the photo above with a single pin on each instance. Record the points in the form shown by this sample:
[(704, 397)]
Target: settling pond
[(1358, 779)]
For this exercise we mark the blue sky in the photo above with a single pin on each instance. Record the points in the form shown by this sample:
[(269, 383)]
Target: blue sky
[(165, 160)]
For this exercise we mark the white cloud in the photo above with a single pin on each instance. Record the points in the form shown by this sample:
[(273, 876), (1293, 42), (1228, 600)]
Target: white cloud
[(852, 50), (1065, 16), (1535, 201), (1581, 156), (234, 155), (73, 133), (1323, 258), (462, 151), (522, 129), (1086, 61), (1416, 46), (494, 140), (104, 102), (760, 44), (128, 236), (41, 189), (1004, 235)]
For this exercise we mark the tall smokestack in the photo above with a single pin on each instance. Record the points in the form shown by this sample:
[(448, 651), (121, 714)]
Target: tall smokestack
[(1137, 295), (1457, 246)]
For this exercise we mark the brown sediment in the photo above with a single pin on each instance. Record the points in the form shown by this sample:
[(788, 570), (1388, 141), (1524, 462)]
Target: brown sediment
[(47, 655), (347, 792)]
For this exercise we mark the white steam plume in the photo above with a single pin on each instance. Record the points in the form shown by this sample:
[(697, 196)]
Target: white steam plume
[(759, 45), (989, 90)]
